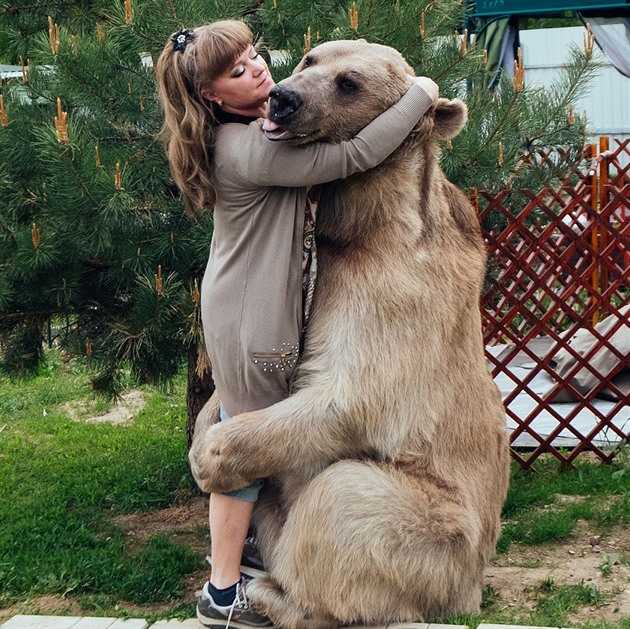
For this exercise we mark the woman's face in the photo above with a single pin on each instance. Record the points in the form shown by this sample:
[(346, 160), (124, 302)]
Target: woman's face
[(244, 87)]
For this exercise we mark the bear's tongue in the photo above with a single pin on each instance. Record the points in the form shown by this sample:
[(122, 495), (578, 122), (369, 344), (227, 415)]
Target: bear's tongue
[(270, 125), (274, 131)]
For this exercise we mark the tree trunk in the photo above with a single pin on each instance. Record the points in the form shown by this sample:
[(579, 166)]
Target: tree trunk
[(198, 391)]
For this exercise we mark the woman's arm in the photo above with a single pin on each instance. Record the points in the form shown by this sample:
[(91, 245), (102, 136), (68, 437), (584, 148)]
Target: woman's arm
[(262, 162)]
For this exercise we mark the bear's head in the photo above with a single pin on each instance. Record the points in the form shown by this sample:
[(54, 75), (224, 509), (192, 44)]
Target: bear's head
[(341, 86)]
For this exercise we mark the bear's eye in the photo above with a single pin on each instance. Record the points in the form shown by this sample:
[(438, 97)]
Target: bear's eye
[(346, 84), (308, 61)]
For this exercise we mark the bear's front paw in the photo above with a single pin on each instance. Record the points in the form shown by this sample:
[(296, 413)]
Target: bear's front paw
[(215, 460)]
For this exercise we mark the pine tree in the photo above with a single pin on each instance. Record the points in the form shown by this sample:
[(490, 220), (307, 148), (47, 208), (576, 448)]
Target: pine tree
[(92, 230)]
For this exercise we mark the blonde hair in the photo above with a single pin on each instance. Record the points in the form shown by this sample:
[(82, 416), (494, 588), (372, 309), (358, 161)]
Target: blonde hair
[(189, 119)]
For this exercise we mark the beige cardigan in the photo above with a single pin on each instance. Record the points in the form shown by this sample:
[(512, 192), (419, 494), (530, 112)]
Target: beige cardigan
[(252, 288)]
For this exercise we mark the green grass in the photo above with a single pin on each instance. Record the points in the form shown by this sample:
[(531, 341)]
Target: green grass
[(598, 493), (553, 605), (61, 481)]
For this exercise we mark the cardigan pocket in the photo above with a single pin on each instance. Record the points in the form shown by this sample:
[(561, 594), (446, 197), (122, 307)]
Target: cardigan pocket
[(271, 361)]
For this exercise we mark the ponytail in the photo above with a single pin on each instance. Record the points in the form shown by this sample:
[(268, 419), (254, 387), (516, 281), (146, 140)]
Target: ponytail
[(189, 120)]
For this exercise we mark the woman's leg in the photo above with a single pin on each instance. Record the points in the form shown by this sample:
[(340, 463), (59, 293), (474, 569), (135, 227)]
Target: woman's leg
[(222, 600), (229, 522)]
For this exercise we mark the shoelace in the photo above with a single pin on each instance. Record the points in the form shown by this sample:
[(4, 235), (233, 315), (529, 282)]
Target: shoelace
[(240, 600)]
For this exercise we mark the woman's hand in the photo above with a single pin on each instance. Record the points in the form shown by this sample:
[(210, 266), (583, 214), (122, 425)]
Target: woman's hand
[(429, 86)]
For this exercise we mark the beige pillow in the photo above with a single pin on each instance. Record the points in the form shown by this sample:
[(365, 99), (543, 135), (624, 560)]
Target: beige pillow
[(603, 361)]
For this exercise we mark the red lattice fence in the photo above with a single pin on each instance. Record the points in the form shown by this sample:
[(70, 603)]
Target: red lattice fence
[(559, 266)]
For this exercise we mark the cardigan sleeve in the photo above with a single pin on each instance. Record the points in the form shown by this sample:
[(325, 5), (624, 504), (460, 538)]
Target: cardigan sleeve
[(246, 151)]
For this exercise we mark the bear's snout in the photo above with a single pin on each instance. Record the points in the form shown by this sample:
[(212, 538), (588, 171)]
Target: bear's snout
[(283, 103)]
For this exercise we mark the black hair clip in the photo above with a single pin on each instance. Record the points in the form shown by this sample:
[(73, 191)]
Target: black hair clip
[(181, 39)]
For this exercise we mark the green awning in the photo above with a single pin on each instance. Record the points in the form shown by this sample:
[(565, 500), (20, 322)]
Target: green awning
[(488, 8)]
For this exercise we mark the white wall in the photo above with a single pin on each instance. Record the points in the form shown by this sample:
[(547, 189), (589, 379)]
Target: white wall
[(607, 104)]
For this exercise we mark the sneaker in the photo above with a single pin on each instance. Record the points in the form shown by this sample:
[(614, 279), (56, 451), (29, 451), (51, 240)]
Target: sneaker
[(238, 615), (251, 561)]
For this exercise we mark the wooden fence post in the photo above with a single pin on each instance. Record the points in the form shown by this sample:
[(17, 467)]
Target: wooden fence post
[(603, 202), (595, 228)]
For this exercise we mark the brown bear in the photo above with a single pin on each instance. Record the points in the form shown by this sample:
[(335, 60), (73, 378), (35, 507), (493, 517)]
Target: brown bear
[(388, 465)]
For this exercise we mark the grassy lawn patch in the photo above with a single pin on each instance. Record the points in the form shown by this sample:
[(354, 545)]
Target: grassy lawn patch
[(62, 480), (546, 505)]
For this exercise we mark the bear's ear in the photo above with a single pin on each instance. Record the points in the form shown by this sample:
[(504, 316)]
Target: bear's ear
[(450, 118)]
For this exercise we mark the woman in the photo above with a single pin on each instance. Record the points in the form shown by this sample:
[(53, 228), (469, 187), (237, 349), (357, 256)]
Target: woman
[(214, 87)]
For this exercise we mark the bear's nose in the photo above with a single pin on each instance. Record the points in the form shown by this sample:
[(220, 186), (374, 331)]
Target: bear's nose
[(283, 103)]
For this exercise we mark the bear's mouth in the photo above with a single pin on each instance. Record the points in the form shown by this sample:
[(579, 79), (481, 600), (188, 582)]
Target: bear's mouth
[(276, 133)]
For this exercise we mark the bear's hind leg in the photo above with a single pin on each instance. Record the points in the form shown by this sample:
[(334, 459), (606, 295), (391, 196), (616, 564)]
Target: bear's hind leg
[(366, 543)]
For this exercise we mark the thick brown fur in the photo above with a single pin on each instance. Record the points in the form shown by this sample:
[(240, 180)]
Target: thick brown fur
[(388, 465)]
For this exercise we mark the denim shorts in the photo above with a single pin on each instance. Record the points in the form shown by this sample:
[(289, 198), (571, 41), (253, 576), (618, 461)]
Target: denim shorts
[(249, 493)]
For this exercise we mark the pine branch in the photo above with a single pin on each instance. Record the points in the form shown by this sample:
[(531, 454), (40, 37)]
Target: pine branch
[(459, 61), (172, 11), (581, 75), (16, 9), (79, 80), (71, 166), (11, 129)]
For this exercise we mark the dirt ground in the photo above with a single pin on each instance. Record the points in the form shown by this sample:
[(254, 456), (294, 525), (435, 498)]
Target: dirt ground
[(515, 575), (122, 412)]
